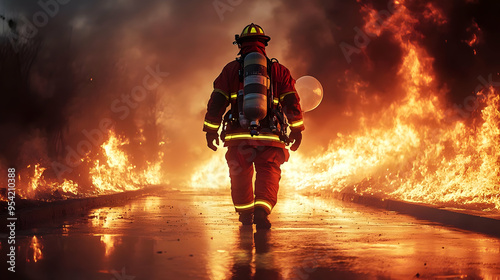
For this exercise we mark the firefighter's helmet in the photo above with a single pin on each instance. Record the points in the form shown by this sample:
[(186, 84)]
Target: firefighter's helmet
[(252, 31)]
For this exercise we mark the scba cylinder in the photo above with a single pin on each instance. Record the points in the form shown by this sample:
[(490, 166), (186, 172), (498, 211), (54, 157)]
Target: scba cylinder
[(256, 84)]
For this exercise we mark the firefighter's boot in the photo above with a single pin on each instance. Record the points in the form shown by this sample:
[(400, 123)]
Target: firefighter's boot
[(260, 219), (246, 218)]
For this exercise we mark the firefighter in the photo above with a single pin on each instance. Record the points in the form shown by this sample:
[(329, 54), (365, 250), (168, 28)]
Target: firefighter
[(254, 140)]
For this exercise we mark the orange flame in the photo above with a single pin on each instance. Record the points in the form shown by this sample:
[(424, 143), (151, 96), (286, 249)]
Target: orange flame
[(117, 174), (69, 186), (415, 149), (38, 184), (213, 174), (476, 33), (35, 180), (113, 172), (412, 151)]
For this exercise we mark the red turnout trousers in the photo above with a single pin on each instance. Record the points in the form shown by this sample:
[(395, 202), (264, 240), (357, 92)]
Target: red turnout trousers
[(267, 160)]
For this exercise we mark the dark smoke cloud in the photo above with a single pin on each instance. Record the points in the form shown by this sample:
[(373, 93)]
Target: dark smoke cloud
[(456, 66), (92, 52)]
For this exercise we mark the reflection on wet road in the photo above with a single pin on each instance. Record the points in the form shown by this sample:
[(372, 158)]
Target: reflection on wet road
[(195, 235)]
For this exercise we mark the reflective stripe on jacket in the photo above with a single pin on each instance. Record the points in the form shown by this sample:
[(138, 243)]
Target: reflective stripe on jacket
[(225, 91)]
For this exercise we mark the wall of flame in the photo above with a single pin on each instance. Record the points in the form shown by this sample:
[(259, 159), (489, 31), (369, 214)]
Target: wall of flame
[(394, 121)]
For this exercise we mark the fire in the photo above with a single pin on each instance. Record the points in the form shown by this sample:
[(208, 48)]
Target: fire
[(417, 149), (474, 40), (110, 171), (38, 185), (213, 174), (413, 150), (448, 164), (35, 180), (113, 174), (35, 251), (116, 173), (433, 14), (69, 186)]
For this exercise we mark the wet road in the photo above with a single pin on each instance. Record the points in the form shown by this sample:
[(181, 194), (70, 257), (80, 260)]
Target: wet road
[(195, 235)]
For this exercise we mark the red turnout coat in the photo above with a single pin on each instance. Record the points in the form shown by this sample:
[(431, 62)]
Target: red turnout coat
[(226, 87)]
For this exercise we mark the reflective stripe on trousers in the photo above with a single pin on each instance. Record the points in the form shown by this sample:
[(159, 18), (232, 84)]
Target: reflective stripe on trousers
[(267, 160)]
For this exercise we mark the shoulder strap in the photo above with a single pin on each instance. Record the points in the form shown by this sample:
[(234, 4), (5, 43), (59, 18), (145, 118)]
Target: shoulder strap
[(241, 60), (270, 62)]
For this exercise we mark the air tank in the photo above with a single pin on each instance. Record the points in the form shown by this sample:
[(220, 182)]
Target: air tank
[(256, 84)]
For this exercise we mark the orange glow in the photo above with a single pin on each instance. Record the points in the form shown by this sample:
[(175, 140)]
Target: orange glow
[(109, 242), (414, 150), (35, 180), (433, 14), (101, 218), (69, 186), (116, 173), (474, 40), (110, 171), (213, 174), (418, 149), (35, 250), (38, 184)]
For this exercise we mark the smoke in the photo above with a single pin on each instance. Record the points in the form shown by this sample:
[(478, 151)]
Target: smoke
[(367, 81), (85, 59), (458, 65), (90, 55)]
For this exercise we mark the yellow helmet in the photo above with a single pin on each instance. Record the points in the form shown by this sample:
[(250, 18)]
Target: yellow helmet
[(252, 31)]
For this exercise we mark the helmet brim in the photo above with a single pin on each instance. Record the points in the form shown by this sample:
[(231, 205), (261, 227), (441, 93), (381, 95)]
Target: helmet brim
[(264, 38)]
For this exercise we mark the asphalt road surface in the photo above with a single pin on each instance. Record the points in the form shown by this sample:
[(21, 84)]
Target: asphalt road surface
[(196, 235)]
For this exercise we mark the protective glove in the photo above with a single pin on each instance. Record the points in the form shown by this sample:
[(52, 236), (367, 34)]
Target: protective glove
[(211, 136), (296, 137)]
